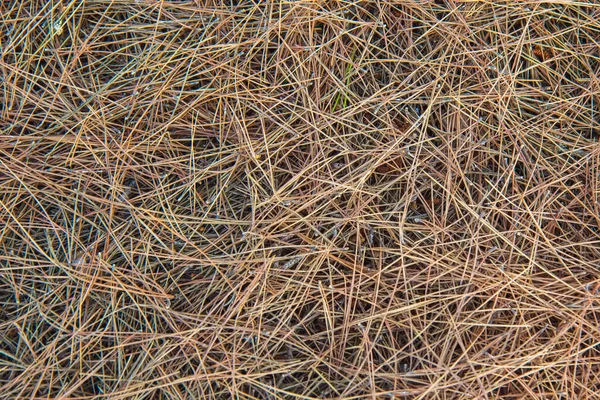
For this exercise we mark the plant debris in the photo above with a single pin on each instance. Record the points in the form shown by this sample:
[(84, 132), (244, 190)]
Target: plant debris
[(299, 199)]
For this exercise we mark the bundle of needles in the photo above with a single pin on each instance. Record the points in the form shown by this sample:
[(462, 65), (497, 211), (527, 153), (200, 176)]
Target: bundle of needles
[(299, 199)]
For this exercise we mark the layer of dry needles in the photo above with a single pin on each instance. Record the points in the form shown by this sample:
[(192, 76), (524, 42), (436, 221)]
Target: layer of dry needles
[(299, 199)]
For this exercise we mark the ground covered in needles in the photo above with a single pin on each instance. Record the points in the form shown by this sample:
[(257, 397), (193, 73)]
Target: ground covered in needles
[(299, 199)]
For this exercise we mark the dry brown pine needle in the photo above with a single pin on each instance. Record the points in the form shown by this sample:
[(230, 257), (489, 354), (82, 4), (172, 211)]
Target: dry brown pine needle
[(299, 199)]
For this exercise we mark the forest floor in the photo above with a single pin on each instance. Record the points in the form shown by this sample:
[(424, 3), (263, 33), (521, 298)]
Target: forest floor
[(299, 199)]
